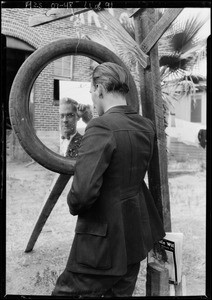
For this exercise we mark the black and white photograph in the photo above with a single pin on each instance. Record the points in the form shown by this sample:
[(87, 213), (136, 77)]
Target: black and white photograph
[(104, 127)]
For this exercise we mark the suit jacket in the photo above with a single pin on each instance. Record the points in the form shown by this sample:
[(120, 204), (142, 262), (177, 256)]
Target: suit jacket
[(118, 222)]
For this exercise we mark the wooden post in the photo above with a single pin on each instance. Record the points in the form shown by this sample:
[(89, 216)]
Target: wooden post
[(157, 280), (157, 31), (152, 108)]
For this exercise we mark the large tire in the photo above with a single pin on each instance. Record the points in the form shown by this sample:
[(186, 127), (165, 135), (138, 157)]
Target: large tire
[(20, 92)]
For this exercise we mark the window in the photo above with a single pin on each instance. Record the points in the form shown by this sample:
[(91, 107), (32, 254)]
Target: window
[(56, 91), (63, 67), (63, 70)]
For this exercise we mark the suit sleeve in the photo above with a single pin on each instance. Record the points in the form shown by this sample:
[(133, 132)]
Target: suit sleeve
[(93, 159)]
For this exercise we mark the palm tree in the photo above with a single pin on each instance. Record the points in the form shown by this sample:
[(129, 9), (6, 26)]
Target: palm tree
[(180, 50)]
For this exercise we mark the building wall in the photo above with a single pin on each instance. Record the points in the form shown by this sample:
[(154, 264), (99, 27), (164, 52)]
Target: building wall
[(46, 117), (183, 108), (180, 149)]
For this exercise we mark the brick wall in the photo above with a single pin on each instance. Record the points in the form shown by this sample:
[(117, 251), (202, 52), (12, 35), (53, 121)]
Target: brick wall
[(82, 71), (45, 113)]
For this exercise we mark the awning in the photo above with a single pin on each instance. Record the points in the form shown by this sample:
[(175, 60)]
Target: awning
[(15, 43)]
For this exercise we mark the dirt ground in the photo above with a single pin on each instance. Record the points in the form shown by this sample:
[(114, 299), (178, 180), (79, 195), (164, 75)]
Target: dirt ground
[(35, 273)]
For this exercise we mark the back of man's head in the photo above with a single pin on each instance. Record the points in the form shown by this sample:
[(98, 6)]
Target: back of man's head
[(113, 77)]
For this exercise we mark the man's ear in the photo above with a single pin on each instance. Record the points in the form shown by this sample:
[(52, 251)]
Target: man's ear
[(101, 90)]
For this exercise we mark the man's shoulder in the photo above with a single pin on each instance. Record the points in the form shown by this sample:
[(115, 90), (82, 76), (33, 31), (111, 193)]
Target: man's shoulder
[(98, 122), (114, 120)]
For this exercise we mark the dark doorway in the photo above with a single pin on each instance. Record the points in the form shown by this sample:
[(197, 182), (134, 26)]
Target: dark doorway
[(16, 53)]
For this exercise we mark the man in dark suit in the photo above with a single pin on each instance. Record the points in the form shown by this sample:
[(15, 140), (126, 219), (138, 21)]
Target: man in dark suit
[(118, 222)]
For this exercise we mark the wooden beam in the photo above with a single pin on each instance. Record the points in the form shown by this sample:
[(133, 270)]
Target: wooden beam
[(152, 108), (55, 14), (159, 28)]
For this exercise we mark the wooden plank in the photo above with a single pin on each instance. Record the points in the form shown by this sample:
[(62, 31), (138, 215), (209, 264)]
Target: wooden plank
[(56, 190), (159, 28), (55, 14), (152, 108)]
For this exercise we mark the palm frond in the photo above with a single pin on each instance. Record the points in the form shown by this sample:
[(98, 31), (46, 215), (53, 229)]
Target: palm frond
[(174, 62), (179, 88), (180, 49), (182, 36), (121, 37), (128, 24)]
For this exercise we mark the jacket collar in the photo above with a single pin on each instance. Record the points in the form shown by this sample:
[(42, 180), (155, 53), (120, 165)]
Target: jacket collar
[(125, 109)]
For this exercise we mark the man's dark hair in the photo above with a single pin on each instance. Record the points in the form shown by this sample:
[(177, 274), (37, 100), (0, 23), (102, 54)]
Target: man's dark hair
[(70, 101), (113, 77)]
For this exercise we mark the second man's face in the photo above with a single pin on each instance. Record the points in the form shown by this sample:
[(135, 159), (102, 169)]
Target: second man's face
[(68, 119)]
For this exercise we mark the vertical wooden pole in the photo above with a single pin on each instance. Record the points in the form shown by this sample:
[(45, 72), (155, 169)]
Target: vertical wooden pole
[(157, 283), (152, 108)]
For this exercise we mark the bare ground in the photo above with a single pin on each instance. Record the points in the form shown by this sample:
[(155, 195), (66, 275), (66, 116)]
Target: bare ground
[(35, 273)]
